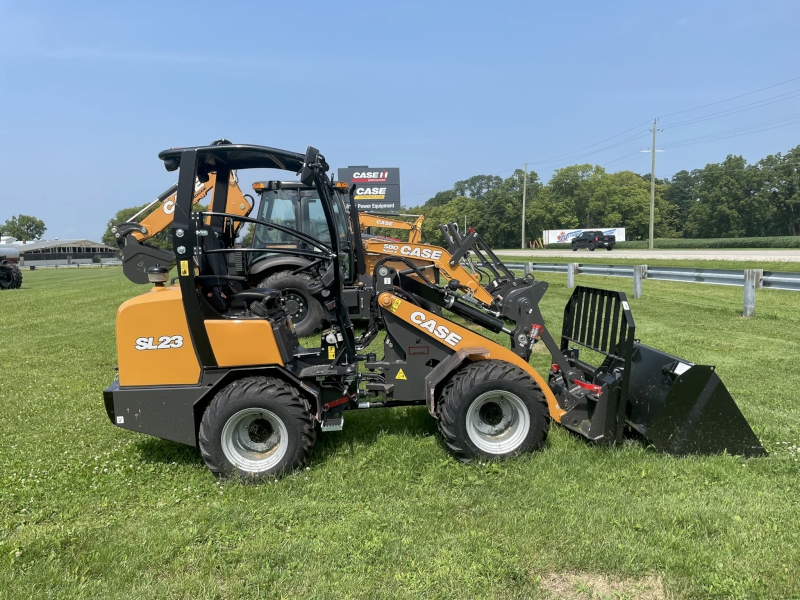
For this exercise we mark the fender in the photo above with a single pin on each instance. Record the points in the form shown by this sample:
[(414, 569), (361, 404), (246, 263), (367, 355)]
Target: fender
[(263, 266)]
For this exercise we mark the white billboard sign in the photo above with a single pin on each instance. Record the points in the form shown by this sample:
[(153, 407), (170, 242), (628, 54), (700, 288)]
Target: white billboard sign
[(564, 236)]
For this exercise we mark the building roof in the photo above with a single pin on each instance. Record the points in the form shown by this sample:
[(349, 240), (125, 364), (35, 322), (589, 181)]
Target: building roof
[(43, 244)]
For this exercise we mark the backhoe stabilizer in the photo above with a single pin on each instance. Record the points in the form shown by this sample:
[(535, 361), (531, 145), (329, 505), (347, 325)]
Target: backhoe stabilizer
[(138, 257), (678, 406)]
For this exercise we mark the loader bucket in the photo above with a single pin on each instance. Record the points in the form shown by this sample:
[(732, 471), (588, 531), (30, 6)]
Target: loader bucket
[(683, 408), (680, 407)]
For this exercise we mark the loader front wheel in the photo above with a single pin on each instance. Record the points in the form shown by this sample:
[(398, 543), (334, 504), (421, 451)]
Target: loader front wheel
[(492, 409), (257, 428)]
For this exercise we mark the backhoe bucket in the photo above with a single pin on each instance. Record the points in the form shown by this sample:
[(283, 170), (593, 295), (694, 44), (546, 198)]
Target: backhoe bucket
[(680, 407), (683, 408)]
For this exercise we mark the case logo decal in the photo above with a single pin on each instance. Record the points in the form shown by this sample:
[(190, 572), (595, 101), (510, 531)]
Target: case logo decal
[(440, 331)]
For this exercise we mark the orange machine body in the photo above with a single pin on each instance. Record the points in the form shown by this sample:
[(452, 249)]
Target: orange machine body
[(153, 342), (458, 338), (154, 346)]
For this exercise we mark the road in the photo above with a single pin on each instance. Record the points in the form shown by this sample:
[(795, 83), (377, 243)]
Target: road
[(784, 255)]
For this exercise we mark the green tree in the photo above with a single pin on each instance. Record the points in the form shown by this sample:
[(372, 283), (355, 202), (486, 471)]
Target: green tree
[(681, 193), (574, 187), (24, 227), (623, 200), (441, 198), (727, 203), (478, 186), (781, 187)]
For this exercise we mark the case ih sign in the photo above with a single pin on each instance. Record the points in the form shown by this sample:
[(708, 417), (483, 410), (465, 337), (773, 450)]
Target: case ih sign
[(377, 188)]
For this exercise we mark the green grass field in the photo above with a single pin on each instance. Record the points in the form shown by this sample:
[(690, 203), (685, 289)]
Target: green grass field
[(88, 510)]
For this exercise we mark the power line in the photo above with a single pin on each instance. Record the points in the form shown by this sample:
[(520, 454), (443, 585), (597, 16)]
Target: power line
[(587, 147), (735, 110), (555, 158), (729, 99), (789, 120)]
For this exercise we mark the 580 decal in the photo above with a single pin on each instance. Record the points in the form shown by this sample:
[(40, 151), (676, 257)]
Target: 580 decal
[(165, 342)]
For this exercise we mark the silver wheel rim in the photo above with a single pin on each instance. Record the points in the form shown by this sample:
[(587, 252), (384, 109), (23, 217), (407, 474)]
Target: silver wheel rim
[(498, 422), (254, 440)]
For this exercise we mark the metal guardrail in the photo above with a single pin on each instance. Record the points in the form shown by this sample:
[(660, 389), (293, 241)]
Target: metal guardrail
[(710, 276), (777, 280), (749, 279)]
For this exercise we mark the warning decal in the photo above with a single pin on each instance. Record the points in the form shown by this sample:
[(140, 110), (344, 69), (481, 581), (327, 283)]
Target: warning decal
[(401, 375)]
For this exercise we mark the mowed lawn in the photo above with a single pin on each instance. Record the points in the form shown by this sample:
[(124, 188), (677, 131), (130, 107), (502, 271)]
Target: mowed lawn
[(91, 511)]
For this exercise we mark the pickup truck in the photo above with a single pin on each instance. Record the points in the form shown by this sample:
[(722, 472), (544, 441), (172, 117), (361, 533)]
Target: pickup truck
[(593, 239)]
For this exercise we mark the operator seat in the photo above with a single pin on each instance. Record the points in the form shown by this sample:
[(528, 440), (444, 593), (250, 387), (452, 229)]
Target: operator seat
[(215, 282)]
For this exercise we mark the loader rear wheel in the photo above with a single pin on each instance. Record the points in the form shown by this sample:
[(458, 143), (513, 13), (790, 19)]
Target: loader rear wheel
[(305, 310), (257, 428), (10, 277), (492, 409)]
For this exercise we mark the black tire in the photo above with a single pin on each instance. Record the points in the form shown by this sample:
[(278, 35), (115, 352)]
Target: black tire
[(591, 247), (305, 310), (10, 277), (469, 434), (609, 248), (257, 428), (574, 247)]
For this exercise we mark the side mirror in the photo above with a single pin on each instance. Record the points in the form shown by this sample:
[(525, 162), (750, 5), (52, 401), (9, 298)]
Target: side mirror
[(307, 173)]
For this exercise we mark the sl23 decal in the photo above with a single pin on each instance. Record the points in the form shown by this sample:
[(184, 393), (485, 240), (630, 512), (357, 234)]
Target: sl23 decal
[(165, 342)]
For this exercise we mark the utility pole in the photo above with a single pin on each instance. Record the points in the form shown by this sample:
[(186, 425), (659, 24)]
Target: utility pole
[(653, 183), (524, 193)]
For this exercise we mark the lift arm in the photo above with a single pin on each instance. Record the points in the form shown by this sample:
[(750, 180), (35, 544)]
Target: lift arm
[(161, 218), (367, 220)]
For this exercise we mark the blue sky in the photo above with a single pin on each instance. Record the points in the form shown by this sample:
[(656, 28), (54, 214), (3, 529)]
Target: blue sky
[(91, 92)]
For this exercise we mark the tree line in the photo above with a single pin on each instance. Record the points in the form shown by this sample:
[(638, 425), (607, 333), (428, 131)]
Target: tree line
[(727, 199), (23, 227)]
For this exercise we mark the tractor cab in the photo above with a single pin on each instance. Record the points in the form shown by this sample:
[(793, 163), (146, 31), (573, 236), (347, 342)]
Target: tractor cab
[(299, 208)]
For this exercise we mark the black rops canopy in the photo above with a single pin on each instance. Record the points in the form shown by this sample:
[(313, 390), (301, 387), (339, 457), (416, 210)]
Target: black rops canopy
[(235, 156)]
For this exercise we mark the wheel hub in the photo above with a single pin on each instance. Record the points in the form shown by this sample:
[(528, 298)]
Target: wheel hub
[(254, 440), (498, 422), (295, 305)]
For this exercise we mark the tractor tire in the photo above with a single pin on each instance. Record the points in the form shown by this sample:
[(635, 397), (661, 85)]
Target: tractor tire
[(257, 428), (305, 310), (591, 247), (574, 247), (491, 409), (10, 277)]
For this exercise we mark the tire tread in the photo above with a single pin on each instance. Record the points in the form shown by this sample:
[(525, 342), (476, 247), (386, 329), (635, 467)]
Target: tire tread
[(260, 386), (464, 380)]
